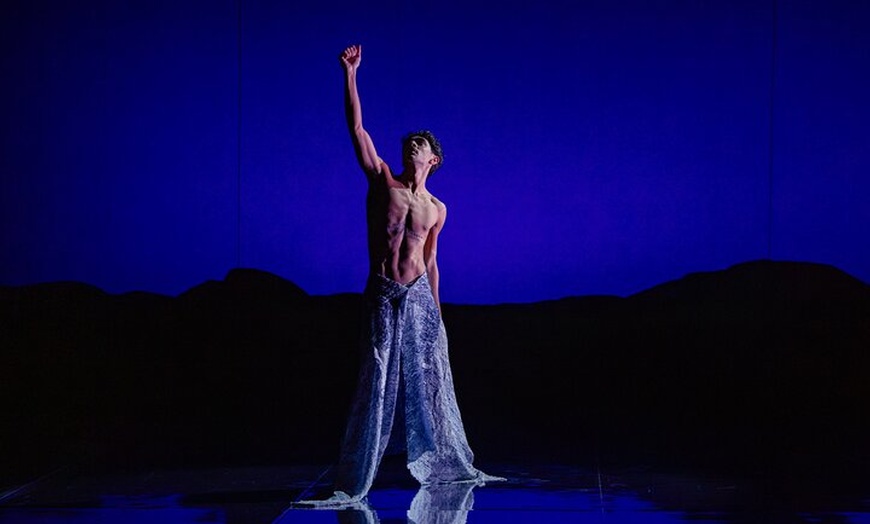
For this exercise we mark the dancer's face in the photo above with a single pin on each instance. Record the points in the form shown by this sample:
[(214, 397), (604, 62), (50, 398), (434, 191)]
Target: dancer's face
[(418, 149)]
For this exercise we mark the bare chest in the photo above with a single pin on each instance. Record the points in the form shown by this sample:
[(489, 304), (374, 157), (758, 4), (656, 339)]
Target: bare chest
[(414, 212)]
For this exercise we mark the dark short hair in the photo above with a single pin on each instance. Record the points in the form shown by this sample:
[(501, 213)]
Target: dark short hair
[(433, 143)]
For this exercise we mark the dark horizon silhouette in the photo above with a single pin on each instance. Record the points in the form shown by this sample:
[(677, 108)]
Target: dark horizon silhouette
[(273, 285), (762, 361)]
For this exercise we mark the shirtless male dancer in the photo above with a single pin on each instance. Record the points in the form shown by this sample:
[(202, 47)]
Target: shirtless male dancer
[(404, 369)]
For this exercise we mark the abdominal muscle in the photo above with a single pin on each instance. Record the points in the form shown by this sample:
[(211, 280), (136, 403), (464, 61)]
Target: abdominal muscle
[(398, 259), (396, 251), (398, 225)]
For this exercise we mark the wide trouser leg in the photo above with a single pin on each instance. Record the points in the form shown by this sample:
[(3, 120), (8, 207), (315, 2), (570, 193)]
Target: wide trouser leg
[(438, 449), (371, 417)]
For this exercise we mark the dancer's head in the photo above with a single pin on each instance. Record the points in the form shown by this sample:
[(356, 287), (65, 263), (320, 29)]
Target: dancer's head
[(423, 143)]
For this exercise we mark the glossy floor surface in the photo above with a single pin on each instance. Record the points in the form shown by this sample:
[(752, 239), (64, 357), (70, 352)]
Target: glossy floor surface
[(533, 493)]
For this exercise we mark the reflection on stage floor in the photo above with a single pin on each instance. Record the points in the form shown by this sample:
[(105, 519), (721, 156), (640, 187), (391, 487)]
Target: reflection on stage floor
[(533, 493)]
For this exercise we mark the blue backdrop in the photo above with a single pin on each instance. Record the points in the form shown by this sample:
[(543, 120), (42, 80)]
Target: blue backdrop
[(591, 147)]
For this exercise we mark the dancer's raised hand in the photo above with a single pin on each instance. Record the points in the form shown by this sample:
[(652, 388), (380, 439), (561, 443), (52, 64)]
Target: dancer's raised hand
[(351, 57)]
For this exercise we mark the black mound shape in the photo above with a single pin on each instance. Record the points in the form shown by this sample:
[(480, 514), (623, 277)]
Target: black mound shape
[(759, 363), (763, 280)]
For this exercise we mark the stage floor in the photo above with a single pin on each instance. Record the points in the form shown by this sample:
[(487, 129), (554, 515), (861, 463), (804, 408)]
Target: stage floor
[(534, 492)]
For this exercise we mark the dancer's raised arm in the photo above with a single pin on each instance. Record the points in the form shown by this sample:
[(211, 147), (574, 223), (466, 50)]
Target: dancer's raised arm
[(366, 154)]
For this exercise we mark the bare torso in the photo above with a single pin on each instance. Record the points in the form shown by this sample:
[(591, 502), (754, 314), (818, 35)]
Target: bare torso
[(399, 223)]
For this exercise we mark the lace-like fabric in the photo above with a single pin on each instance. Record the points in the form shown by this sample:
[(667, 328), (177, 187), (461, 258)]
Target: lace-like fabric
[(404, 347)]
